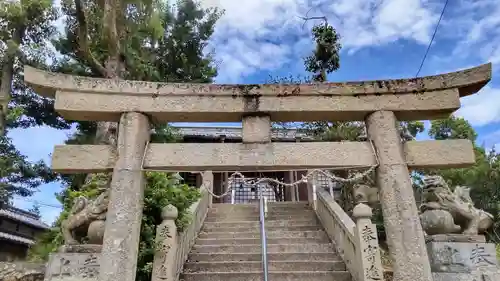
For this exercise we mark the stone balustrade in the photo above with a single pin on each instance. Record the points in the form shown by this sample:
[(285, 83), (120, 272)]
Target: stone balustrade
[(357, 241), (173, 247)]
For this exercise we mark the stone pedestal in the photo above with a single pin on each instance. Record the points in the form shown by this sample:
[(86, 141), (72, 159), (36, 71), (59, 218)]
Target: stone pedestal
[(462, 258), (72, 263)]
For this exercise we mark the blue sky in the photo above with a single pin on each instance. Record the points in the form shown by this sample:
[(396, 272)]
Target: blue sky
[(381, 39)]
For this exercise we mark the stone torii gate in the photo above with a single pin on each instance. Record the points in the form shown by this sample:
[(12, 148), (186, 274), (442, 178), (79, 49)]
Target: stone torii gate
[(379, 103)]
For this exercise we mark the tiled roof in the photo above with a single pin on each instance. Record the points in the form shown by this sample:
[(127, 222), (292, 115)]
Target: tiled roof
[(236, 133), (22, 216), (16, 238)]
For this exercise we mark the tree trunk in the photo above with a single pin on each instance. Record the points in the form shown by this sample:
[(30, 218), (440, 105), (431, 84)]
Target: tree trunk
[(7, 76), (106, 132)]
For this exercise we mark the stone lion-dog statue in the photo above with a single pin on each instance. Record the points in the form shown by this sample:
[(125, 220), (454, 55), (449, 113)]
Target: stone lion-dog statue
[(446, 212), (84, 213)]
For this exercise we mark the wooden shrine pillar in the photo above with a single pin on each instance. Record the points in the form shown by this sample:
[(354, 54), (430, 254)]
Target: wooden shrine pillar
[(405, 236)]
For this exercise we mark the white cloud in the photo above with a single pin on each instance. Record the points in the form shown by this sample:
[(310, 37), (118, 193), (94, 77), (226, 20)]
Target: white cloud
[(482, 108), (479, 22), (473, 28), (368, 23), (242, 35)]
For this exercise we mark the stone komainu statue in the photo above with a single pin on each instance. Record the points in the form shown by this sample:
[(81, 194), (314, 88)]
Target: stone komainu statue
[(445, 212), (365, 193), (87, 217)]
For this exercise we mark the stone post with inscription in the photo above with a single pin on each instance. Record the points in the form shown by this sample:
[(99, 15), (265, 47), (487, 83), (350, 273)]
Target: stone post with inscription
[(164, 266), (458, 257), (368, 251)]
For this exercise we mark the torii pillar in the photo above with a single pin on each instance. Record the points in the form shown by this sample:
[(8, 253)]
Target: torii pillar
[(405, 236)]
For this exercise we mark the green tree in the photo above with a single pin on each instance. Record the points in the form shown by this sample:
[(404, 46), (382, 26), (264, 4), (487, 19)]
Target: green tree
[(24, 28), (35, 209), (483, 177), (25, 25), (19, 177), (161, 44), (156, 43), (452, 128), (325, 57)]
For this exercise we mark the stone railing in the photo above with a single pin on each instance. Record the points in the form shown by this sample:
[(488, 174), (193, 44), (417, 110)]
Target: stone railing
[(356, 242), (173, 247)]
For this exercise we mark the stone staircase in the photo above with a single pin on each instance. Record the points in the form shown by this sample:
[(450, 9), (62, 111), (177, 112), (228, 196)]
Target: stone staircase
[(229, 247)]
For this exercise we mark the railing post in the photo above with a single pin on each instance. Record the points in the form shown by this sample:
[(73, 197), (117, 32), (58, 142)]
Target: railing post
[(233, 195), (367, 248), (164, 264), (311, 190), (208, 183), (263, 235)]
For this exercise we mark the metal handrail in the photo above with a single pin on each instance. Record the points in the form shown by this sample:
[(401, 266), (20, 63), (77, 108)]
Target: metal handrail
[(263, 238)]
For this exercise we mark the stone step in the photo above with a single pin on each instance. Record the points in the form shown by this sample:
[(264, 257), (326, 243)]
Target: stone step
[(284, 220), (307, 227), (271, 256), (302, 265), (286, 204), (256, 241), (255, 217), (280, 233), (311, 248), (255, 212), (255, 224), (255, 207), (274, 276)]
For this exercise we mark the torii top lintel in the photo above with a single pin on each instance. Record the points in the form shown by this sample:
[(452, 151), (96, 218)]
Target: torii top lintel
[(467, 81), (94, 99)]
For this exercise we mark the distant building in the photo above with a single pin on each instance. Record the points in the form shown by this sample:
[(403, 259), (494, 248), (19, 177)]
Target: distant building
[(18, 230)]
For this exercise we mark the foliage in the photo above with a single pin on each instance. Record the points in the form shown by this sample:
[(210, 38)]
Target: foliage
[(154, 42), (17, 175), (452, 128), (180, 49), (35, 209), (159, 43), (24, 27), (164, 133), (483, 177), (325, 58), (161, 189)]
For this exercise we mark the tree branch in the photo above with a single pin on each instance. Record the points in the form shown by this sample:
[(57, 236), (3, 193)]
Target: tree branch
[(308, 18), (83, 43)]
